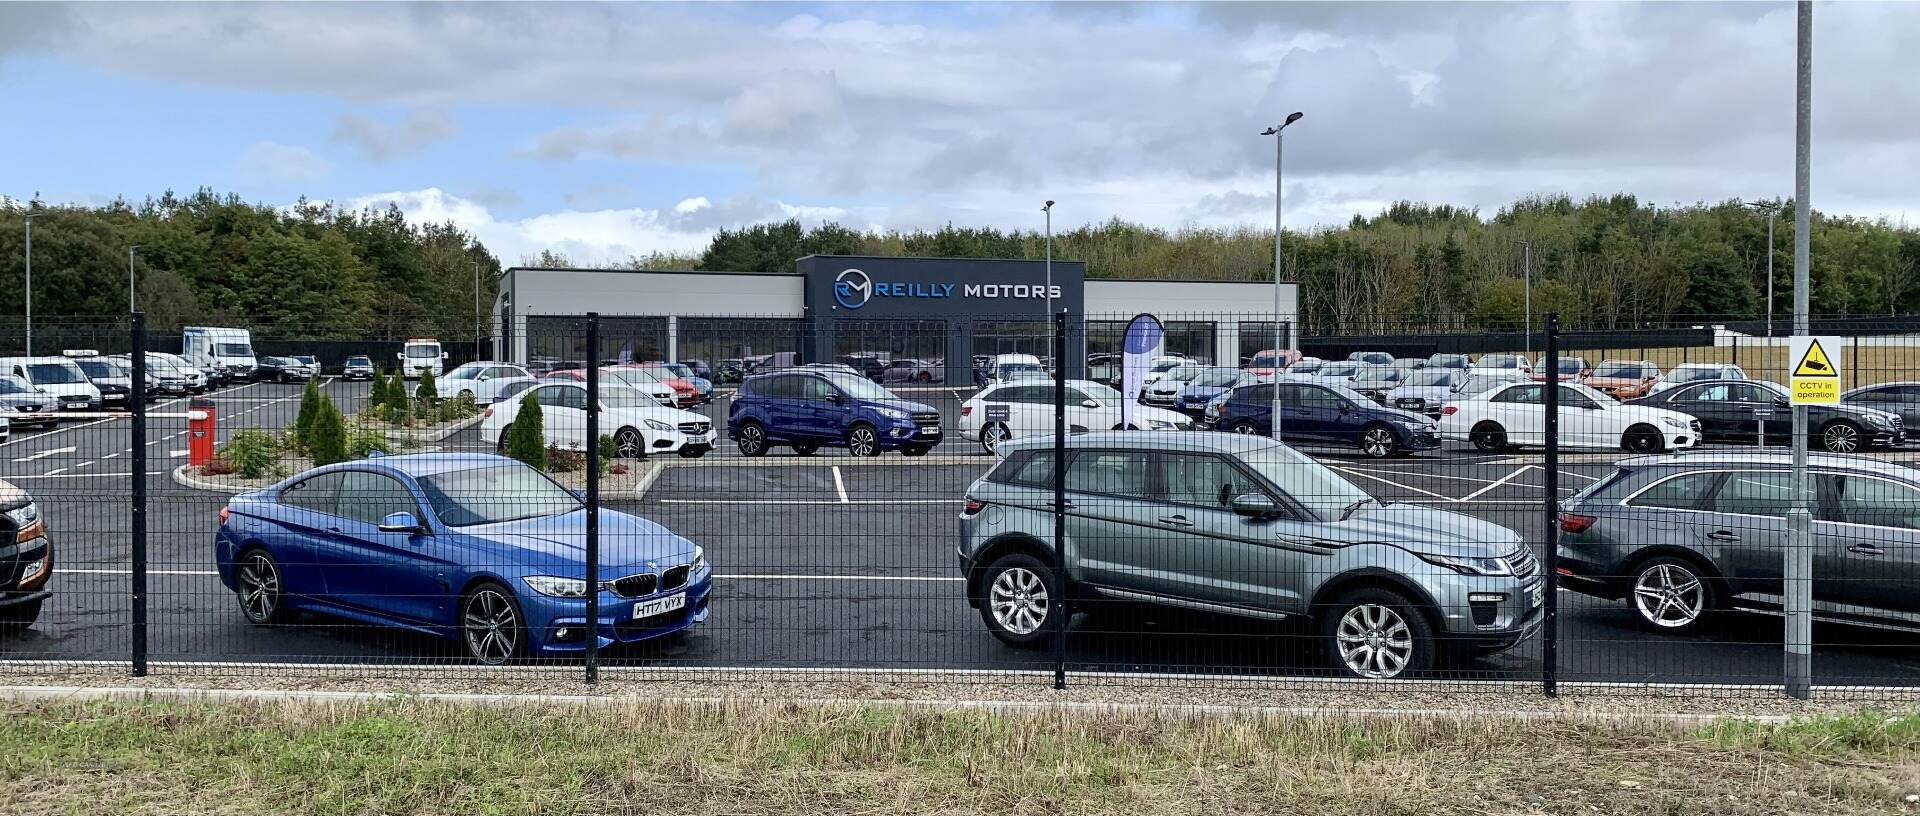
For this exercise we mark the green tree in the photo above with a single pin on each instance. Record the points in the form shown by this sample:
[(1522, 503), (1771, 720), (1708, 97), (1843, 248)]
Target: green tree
[(527, 436), (425, 393), (327, 442), (310, 399)]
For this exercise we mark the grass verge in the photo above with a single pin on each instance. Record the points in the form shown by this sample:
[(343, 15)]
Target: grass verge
[(404, 757)]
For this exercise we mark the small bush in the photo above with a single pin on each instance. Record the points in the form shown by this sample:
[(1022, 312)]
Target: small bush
[(216, 467), (327, 439), (363, 442), (460, 407), (303, 423), (609, 449), (426, 394), (395, 415), (527, 436), (562, 460), (250, 452)]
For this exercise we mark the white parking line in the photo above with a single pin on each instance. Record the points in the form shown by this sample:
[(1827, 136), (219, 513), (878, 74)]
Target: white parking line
[(1390, 482), (840, 485), (812, 501), (54, 472), (46, 453), (175, 454), (57, 475), (720, 576), (1503, 480)]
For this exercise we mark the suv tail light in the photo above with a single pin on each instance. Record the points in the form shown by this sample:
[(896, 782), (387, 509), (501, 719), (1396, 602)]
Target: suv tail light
[(973, 506), (224, 512), (966, 410), (1575, 523), (1449, 410), (487, 413)]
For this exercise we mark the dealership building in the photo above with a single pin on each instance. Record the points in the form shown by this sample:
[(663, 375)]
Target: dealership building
[(831, 306)]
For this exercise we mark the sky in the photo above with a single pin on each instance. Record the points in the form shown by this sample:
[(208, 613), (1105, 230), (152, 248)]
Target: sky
[(603, 131)]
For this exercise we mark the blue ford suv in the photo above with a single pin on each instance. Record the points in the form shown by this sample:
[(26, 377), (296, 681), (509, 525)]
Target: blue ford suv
[(808, 409), (1332, 414)]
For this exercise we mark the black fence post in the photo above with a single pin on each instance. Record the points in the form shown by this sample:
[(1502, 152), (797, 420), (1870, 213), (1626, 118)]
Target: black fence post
[(1065, 612), (137, 520), (1550, 627), (593, 497)]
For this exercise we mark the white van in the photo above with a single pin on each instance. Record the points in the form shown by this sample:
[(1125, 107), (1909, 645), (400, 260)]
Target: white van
[(1004, 367), (58, 376), (421, 355), (227, 353)]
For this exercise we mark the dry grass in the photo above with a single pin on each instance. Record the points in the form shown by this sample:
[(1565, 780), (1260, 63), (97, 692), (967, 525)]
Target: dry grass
[(1873, 360), (766, 758)]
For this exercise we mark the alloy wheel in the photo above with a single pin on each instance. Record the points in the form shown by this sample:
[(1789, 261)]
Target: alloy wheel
[(1840, 438), (1244, 428), (752, 440), (1376, 442), (1669, 595), (1489, 438), (863, 442), (1019, 601), (1375, 642), (628, 444), (492, 627), (259, 588), (992, 436)]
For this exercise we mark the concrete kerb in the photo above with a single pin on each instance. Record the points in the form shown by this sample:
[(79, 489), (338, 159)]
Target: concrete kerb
[(433, 434), (184, 479)]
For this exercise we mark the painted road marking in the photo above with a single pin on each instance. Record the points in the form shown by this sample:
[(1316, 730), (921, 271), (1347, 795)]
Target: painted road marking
[(812, 501), (840, 485), (723, 577), (1390, 482), (46, 453), (1503, 480)]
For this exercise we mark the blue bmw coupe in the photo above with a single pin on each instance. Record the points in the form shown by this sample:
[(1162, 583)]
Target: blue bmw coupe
[(475, 547)]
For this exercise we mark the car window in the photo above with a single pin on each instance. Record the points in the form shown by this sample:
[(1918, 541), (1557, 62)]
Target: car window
[(1706, 393), (1033, 470), (1253, 393), (1522, 395), (1319, 398), (575, 398), (1570, 398), (1742, 392), (1687, 492), (1020, 394), (1075, 396), (316, 494), (1866, 500), (553, 396), (815, 388), (369, 497), (1118, 473), (1754, 494), (1203, 481)]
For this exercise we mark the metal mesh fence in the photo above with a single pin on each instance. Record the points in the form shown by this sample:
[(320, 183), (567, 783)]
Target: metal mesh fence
[(903, 503)]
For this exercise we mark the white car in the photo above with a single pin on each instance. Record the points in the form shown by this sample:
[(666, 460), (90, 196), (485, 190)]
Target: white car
[(1164, 391), (1159, 366), (196, 379), (1515, 415), (1340, 372), (482, 381), (59, 377), (638, 425), (1492, 364), (1696, 372), (1020, 409)]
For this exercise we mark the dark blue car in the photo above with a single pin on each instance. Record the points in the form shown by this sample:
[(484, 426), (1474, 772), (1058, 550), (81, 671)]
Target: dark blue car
[(475, 547), (1325, 414), (810, 409)]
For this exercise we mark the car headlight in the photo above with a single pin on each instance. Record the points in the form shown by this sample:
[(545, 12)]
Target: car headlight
[(24, 515), (557, 587), (1470, 566), (1415, 425), (699, 559), (1160, 425), (1676, 423), (891, 413), (1880, 420), (658, 425)]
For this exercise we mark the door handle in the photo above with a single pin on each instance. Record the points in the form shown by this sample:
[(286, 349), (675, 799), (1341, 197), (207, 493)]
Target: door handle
[(1175, 521), (1866, 549), (1723, 535)]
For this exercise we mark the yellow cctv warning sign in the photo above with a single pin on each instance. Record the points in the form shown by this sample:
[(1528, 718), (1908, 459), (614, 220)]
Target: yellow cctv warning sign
[(1815, 371)]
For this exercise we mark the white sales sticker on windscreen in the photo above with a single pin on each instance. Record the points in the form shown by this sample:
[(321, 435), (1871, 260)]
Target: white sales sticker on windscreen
[(659, 606)]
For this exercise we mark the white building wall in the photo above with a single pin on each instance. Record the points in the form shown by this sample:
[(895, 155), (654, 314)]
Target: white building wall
[(617, 293), (1224, 303)]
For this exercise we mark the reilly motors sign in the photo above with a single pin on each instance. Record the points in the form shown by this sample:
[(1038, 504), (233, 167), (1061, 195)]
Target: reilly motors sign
[(938, 287)]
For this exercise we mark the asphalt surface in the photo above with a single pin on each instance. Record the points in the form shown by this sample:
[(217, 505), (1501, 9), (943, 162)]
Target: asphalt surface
[(821, 562)]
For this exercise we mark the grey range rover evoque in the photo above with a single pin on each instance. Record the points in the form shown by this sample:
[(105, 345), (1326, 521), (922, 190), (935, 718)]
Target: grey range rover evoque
[(1245, 526)]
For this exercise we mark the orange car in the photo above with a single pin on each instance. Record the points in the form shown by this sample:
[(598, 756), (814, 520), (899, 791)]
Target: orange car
[(1623, 379)]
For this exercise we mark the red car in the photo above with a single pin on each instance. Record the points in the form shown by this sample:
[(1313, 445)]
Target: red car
[(684, 394)]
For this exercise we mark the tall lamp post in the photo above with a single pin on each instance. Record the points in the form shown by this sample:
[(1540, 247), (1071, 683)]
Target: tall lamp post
[(130, 309), (1279, 152), (1526, 286), (1048, 209), (29, 285), (1771, 208), (476, 310)]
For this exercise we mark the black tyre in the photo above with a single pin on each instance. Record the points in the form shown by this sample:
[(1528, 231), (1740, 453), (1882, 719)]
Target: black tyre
[(1643, 439), (751, 438), (629, 444), (258, 588), (1019, 595), (16, 618), (1377, 634), (1841, 436), (804, 448), (1671, 595), (500, 446), (923, 377), (863, 440), (1378, 442), (1244, 427), (491, 626), (1489, 436), (993, 434)]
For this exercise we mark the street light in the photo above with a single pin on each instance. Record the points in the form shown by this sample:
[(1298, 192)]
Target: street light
[(1526, 276), (29, 285), (130, 309), (1048, 209), (1279, 151), (1771, 208)]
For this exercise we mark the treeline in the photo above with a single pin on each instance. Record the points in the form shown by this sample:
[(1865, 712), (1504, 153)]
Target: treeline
[(312, 271), (1603, 262)]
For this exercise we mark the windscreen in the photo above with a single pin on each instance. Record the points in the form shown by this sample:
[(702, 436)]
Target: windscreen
[(1217, 378), (14, 385), (102, 369), (859, 387), (1307, 481), (1625, 371), (55, 373), (232, 350), (493, 494), (1434, 376), (423, 352)]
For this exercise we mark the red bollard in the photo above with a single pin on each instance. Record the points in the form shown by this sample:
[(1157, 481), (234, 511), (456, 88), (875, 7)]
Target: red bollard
[(200, 425)]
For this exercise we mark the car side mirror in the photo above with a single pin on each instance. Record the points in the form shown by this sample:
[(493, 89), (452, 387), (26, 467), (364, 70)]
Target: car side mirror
[(1346, 408), (837, 399), (402, 522), (1255, 505), (1089, 403), (443, 355)]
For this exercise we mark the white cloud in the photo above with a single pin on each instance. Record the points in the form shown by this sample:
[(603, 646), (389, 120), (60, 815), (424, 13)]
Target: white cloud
[(278, 165), (380, 141)]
